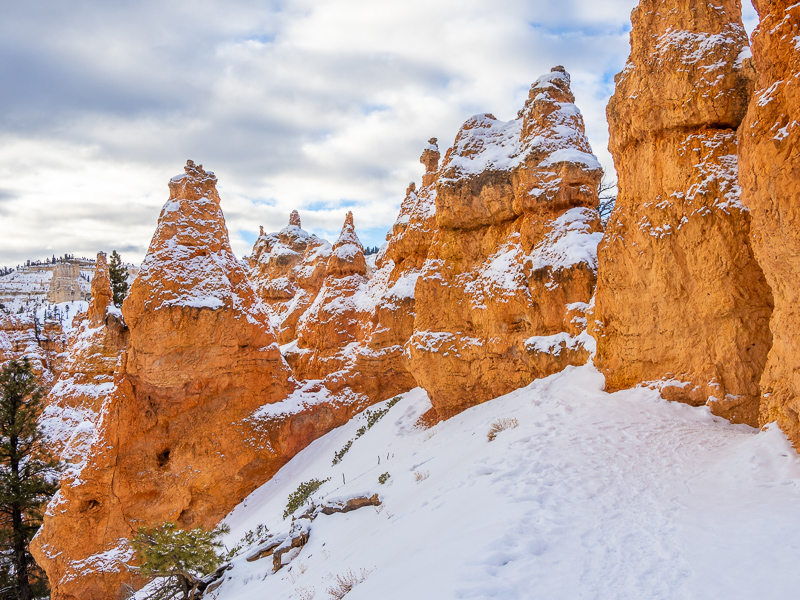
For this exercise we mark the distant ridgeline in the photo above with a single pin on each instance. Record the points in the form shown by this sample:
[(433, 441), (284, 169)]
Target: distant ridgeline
[(65, 279)]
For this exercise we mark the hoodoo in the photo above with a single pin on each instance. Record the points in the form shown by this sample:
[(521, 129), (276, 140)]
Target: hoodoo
[(769, 140), (502, 296), (177, 440), (681, 303)]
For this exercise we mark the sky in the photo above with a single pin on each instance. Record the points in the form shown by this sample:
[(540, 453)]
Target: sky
[(323, 106)]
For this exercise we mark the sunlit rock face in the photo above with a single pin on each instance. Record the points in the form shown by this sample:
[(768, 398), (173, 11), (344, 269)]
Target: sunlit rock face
[(288, 270), (502, 296), (681, 303), (769, 139)]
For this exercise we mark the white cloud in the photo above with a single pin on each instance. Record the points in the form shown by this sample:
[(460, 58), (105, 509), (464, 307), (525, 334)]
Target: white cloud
[(320, 105)]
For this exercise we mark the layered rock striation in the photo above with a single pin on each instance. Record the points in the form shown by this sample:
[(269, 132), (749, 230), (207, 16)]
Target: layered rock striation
[(681, 303), (502, 295), (769, 146)]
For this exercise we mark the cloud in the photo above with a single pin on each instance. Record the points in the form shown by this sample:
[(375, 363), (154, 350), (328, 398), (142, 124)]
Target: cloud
[(319, 106)]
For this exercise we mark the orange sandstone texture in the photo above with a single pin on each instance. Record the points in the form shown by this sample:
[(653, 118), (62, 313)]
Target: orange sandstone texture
[(96, 342), (287, 270), (202, 413), (769, 146), (42, 343), (681, 303), (502, 296)]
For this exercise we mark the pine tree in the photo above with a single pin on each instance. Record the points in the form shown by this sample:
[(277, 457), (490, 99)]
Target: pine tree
[(182, 557), (28, 477), (119, 278)]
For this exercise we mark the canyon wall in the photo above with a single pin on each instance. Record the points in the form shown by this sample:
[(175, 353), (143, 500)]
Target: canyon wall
[(502, 296), (769, 142), (681, 303)]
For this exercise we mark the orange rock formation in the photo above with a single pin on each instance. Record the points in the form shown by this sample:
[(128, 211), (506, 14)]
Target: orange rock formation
[(200, 416), (681, 303), (769, 140), (72, 407), (287, 270), (501, 299)]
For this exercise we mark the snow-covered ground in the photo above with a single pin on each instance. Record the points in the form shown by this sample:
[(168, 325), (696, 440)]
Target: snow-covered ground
[(592, 495)]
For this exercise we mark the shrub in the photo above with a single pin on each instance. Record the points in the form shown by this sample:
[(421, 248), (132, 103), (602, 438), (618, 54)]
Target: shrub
[(254, 536), (346, 582), (421, 475), (301, 495), (372, 416), (383, 478), (501, 425), (181, 557)]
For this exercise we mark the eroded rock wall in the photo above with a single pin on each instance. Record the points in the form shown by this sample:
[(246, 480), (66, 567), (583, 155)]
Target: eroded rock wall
[(681, 303), (502, 295), (769, 147)]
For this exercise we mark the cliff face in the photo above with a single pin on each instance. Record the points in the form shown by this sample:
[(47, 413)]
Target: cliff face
[(681, 303), (177, 440), (502, 296), (769, 139), (287, 271), (41, 342)]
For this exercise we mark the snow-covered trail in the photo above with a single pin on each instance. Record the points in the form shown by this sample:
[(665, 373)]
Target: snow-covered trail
[(592, 495)]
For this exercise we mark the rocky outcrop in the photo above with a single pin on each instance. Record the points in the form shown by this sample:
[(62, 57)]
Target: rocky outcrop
[(65, 286), (287, 270), (502, 295), (681, 303), (96, 341), (328, 331), (769, 139), (41, 341), (202, 412)]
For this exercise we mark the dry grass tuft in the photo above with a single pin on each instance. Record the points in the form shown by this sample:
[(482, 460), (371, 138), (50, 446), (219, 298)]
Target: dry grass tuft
[(501, 425)]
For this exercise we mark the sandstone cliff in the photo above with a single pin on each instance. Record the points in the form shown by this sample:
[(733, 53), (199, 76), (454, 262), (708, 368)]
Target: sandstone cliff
[(41, 341), (769, 141), (287, 270), (681, 303), (202, 413), (502, 296)]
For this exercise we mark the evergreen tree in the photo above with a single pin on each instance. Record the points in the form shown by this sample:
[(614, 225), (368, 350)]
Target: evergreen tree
[(119, 278), (28, 479), (181, 557)]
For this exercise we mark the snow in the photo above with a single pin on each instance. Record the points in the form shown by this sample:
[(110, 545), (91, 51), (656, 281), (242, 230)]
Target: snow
[(572, 155), (592, 495), (569, 242)]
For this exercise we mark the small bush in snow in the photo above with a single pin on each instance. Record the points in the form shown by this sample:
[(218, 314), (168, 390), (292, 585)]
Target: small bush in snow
[(501, 425), (346, 582), (301, 495), (383, 478), (372, 416), (421, 475), (305, 593), (254, 536)]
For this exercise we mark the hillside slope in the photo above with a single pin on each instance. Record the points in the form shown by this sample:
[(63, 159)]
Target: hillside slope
[(592, 495)]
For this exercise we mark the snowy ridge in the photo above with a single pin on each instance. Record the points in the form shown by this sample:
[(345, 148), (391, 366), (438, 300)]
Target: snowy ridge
[(582, 494)]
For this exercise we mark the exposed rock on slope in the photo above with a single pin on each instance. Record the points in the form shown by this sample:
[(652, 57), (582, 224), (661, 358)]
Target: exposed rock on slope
[(96, 341), (681, 303), (503, 292), (181, 439), (287, 271), (42, 343), (769, 141)]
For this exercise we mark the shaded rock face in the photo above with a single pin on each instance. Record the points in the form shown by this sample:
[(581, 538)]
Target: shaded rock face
[(179, 438), (42, 343), (287, 270), (502, 295), (681, 303), (769, 139), (72, 408)]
